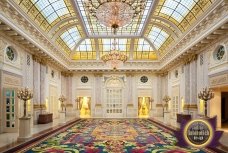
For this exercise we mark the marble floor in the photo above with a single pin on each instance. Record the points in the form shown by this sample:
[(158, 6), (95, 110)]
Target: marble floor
[(7, 139)]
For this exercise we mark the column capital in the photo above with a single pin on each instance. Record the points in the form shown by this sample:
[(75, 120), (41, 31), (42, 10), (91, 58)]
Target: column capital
[(190, 58), (36, 58), (129, 74), (98, 74), (67, 74), (162, 73)]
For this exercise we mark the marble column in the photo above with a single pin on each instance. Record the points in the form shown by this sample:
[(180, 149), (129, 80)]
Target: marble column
[(193, 88), (131, 108), (129, 89), (36, 88), (36, 81), (69, 89), (63, 85), (43, 83), (159, 106), (99, 105), (187, 87)]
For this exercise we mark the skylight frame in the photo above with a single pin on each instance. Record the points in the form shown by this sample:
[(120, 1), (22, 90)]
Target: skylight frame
[(32, 9), (85, 51), (143, 50), (105, 45), (93, 27)]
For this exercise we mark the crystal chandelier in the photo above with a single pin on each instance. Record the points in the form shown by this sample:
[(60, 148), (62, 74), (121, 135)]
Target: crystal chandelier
[(114, 58), (115, 14)]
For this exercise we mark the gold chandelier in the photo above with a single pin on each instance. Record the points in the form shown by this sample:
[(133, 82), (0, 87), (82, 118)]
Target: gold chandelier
[(115, 14), (114, 58)]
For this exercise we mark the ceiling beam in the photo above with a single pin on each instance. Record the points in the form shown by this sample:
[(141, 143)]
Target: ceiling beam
[(166, 29), (62, 30), (79, 16), (52, 31), (170, 23), (150, 12)]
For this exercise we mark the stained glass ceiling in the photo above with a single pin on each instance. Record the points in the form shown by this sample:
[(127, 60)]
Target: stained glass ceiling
[(82, 37)]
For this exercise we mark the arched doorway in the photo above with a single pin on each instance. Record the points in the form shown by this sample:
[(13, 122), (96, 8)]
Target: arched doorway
[(114, 98)]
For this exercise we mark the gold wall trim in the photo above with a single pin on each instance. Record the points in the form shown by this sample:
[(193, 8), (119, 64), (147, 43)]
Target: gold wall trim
[(130, 105), (38, 106), (69, 105), (98, 105), (190, 106), (159, 105)]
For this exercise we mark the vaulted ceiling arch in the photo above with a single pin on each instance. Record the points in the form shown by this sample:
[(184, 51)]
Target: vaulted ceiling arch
[(55, 28)]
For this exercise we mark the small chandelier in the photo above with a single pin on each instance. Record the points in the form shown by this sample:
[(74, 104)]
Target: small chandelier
[(114, 58)]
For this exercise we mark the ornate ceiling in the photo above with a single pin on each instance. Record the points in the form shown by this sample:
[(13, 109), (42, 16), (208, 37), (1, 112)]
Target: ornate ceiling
[(80, 36)]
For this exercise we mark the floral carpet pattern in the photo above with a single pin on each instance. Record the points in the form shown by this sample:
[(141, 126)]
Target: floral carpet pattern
[(112, 136)]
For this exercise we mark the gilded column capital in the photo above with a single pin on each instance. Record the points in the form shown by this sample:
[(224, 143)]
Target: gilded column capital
[(66, 74), (129, 74), (162, 74), (43, 62), (36, 58), (98, 74), (190, 58)]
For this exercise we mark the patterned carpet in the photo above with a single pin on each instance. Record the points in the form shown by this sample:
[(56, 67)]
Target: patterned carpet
[(112, 136)]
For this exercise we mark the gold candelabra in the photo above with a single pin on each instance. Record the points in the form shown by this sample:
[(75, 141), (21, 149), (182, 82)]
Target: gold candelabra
[(62, 99), (24, 94), (205, 95), (166, 99)]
